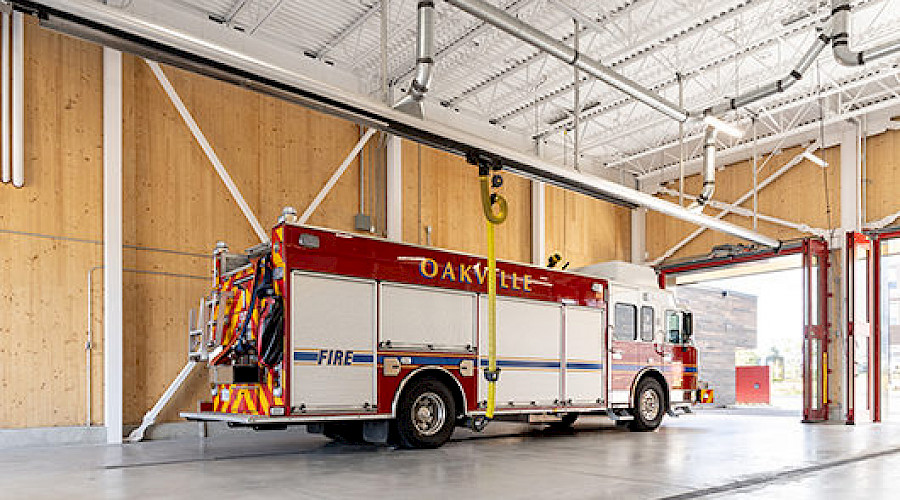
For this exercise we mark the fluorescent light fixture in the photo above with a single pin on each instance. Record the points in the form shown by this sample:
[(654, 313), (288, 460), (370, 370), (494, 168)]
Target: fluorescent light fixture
[(723, 126), (815, 159)]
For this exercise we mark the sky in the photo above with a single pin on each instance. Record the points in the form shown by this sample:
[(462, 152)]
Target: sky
[(779, 303)]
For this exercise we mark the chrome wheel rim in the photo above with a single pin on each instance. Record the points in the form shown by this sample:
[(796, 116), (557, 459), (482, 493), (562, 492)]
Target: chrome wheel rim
[(649, 406), (428, 413)]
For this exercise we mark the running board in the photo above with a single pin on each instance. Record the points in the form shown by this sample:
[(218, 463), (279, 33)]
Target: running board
[(619, 418), (684, 408)]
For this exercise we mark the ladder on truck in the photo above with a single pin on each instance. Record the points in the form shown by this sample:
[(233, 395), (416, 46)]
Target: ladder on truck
[(204, 333)]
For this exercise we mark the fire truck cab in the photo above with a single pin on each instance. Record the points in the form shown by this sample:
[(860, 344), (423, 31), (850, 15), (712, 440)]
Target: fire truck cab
[(364, 339)]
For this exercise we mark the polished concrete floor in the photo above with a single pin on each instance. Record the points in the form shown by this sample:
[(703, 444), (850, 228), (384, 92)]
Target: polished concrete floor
[(714, 454)]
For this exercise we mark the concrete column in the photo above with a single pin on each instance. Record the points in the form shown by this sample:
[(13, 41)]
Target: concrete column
[(638, 235), (850, 178), (538, 223), (112, 245), (394, 188), (837, 355), (839, 364)]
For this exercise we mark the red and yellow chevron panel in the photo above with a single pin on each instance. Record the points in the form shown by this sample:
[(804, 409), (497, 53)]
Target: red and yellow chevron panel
[(278, 259), (237, 398), (249, 399)]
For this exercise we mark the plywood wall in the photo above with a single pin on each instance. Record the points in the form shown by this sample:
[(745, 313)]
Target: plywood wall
[(49, 237), (799, 196), (176, 209), (441, 193), (584, 230), (882, 182), (278, 154)]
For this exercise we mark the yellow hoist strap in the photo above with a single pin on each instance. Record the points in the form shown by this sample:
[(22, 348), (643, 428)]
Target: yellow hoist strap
[(492, 373)]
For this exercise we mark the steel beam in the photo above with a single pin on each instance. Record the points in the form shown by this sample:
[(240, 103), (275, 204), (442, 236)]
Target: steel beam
[(394, 189), (95, 21)]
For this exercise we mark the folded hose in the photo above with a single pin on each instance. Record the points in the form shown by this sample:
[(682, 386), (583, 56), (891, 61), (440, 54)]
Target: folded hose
[(271, 334), (492, 373)]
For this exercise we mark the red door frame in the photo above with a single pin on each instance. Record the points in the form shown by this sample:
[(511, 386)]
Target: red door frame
[(806, 247), (815, 328), (854, 240), (877, 238)]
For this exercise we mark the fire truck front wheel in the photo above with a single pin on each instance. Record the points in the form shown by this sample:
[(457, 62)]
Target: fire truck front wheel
[(648, 406), (426, 415)]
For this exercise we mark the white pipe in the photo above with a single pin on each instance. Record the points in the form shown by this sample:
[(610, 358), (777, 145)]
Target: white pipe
[(335, 176), (4, 96), (709, 168), (544, 42), (89, 345), (840, 44), (365, 110), (207, 148), (18, 99), (777, 86), (418, 87)]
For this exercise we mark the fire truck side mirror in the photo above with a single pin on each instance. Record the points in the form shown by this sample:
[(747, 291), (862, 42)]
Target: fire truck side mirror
[(687, 327)]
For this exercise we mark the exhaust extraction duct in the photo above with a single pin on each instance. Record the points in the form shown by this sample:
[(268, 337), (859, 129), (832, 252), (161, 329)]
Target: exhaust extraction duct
[(126, 31), (541, 41), (840, 34), (777, 86), (412, 102), (709, 169)]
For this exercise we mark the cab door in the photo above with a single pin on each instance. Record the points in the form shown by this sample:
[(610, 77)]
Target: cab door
[(625, 353)]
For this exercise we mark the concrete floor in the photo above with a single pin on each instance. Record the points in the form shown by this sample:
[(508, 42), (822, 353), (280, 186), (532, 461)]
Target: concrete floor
[(714, 454)]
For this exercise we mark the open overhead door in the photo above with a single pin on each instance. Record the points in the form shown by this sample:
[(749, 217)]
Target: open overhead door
[(814, 252)]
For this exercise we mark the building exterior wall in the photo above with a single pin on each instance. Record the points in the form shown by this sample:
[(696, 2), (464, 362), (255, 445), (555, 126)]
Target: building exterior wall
[(724, 321)]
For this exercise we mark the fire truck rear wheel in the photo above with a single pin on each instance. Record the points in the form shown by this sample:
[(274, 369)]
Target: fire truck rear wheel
[(648, 406), (426, 415)]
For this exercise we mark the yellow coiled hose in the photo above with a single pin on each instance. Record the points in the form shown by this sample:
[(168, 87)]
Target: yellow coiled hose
[(487, 201)]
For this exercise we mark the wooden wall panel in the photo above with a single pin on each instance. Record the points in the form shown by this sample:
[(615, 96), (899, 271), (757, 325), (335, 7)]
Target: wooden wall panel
[(882, 175), (176, 208), (43, 280), (450, 195), (299, 151), (797, 196), (585, 230), (278, 154)]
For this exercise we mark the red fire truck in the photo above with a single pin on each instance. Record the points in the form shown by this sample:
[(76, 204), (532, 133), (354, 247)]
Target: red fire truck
[(364, 339)]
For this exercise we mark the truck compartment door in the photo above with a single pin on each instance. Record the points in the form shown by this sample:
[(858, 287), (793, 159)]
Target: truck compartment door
[(333, 326), (584, 348), (528, 352), (423, 318)]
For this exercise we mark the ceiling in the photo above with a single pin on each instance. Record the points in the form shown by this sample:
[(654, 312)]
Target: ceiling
[(706, 50)]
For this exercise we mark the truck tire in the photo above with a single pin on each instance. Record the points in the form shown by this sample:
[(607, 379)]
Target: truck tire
[(648, 406), (426, 415)]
